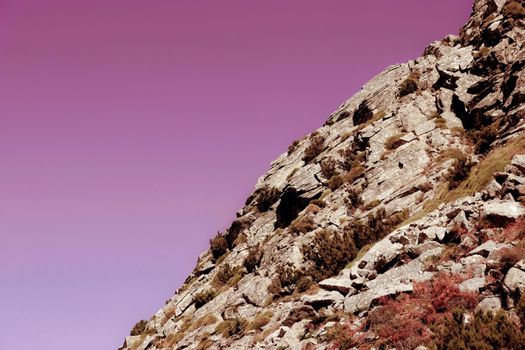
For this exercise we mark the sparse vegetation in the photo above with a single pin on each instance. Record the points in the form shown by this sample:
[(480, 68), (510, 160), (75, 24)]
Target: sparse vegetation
[(266, 198), (138, 328), (261, 320), (315, 148), (293, 147), (371, 205), (482, 331), (328, 167), (410, 84), (329, 253), (303, 224), (459, 172), (513, 9), (203, 298), (230, 328), (335, 182), (394, 141), (253, 259), (218, 246)]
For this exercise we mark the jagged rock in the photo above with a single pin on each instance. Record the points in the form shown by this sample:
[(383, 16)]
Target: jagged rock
[(341, 285), (322, 298), (362, 301), (518, 161), (486, 248), (502, 212)]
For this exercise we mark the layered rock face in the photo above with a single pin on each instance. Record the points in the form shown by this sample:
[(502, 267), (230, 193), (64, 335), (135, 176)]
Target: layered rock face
[(411, 193)]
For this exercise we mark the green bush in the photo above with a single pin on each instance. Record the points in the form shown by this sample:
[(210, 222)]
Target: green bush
[(485, 331), (329, 253)]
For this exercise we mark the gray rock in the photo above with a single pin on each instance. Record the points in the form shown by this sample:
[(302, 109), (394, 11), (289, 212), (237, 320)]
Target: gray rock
[(472, 285), (322, 298), (486, 248), (489, 304), (515, 281), (341, 285), (501, 212)]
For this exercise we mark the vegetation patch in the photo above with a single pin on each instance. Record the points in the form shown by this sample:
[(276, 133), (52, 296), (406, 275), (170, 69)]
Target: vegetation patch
[(410, 84), (315, 148), (203, 298), (218, 246), (394, 141)]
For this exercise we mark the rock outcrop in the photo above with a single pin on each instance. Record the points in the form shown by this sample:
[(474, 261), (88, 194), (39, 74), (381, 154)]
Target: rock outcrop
[(418, 176)]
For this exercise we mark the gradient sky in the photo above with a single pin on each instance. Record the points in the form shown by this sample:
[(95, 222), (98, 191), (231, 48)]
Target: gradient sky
[(132, 130)]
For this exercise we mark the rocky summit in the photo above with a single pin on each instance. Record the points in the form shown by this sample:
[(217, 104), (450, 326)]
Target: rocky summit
[(398, 224)]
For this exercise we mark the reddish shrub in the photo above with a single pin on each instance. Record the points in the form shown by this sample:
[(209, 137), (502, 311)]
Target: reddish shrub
[(406, 322)]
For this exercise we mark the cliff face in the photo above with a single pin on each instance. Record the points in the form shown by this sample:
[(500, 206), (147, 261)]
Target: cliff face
[(390, 225)]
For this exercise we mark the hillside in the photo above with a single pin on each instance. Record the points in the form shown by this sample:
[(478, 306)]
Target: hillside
[(400, 223)]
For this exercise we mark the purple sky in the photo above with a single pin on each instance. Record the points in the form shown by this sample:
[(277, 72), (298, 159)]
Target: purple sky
[(132, 130)]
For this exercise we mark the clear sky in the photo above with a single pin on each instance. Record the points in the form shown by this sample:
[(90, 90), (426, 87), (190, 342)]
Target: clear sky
[(132, 130)]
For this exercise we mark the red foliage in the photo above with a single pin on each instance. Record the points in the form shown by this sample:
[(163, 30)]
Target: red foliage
[(406, 322)]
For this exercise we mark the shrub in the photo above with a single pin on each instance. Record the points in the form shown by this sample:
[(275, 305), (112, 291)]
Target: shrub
[(266, 197), (223, 275), (484, 331), (218, 246), (315, 148), (233, 232), (394, 141), (230, 328), (482, 139), (354, 198), (440, 122), (335, 182), (303, 224), (138, 328), (409, 85), (513, 9), (261, 320), (253, 259), (203, 298), (293, 147), (408, 321), (356, 172), (304, 284), (328, 167), (372, 204), (329, 253), (459, 172)]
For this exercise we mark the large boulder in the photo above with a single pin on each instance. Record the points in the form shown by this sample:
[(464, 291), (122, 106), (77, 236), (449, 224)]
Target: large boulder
[(502, 212)]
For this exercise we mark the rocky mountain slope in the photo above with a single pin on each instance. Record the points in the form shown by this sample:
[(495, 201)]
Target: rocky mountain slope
[(398, 224)]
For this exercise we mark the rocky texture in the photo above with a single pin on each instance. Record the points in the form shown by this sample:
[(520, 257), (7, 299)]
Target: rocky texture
[(378, 200)]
